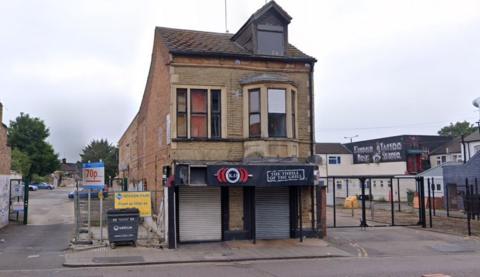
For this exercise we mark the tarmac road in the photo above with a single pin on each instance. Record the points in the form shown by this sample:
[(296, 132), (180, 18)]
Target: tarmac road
[(41, 243)]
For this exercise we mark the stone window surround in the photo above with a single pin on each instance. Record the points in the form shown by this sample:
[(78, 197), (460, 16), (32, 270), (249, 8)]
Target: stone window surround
[(291, 134), (173, 110)]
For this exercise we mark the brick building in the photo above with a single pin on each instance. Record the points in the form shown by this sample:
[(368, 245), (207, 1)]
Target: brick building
[(225, 132), (5, 153)]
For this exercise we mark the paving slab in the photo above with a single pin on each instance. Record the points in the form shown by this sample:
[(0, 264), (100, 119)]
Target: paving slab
[(204, 252)]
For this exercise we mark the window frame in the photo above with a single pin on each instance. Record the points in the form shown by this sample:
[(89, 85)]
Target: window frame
[(185, 113), (293, 111), (209, 113), (259, 112), (215, 113), (336, 159), (284, 114)]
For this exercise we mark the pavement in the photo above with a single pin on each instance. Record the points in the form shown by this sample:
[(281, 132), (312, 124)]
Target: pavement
[(232, 251)]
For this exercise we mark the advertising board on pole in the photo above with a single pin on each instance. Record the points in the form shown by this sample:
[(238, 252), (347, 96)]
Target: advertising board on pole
[(140, 200), (93, 175)]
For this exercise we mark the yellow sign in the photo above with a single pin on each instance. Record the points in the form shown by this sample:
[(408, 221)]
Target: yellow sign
[(140, 200)]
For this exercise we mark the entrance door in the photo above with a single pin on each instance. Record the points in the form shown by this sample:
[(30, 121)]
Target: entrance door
[(199, 214), (272, 213)]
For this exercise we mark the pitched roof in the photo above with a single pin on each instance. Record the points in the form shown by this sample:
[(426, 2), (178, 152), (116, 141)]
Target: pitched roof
[(199, 43), (452, 146), (475, 136), (331, 148)]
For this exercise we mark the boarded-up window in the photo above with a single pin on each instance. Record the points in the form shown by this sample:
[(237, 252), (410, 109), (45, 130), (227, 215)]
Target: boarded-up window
[(198, 120)]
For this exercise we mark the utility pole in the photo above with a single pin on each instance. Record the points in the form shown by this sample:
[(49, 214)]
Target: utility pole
[(351, 138)]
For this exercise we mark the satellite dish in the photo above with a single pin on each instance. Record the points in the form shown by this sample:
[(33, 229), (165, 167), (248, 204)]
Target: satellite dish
[(476, 102)]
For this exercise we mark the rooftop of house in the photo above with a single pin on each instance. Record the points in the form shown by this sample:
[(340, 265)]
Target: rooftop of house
[(331, 148), (211, 44), (452, 146), (475, 136), (200, 43)]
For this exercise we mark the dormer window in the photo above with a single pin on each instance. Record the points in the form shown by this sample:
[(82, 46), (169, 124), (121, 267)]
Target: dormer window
[(270, 40)]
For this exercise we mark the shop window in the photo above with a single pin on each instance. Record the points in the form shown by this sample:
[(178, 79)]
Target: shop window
[(277, 126), (254, 113), (183, 174), (198, 175), (334, 160), (216, 114), (182, 113)]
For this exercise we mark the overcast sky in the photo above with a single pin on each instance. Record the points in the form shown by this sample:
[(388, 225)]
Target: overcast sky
[(384, 67)]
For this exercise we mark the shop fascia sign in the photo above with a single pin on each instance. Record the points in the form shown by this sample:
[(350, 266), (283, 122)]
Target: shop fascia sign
[(259, 175)]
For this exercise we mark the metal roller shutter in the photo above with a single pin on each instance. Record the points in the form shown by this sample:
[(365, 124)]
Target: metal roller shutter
[(199, 214), (272, 213)]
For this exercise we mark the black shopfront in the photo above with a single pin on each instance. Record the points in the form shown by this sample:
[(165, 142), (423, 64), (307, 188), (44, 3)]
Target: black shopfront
[(218, 202)]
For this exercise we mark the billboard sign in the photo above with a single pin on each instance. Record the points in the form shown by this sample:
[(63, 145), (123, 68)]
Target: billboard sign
[(93, 175), (140, 200)]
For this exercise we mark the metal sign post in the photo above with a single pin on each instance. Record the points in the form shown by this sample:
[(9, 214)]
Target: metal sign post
[(25, 201), (88, 218), (100, 196)]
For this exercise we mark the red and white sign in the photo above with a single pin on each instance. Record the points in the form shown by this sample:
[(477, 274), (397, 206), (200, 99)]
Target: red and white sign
[(232, 175)]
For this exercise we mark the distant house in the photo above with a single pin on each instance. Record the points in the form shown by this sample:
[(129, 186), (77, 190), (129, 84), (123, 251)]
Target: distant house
[(401, 156), (67, 174), (472, 145), (450, 151)]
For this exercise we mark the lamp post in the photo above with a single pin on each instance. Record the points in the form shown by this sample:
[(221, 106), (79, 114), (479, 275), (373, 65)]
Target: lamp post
[(351, 138)]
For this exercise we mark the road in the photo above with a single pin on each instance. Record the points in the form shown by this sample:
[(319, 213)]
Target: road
[(38, 250), (458, 265), (41, 243)]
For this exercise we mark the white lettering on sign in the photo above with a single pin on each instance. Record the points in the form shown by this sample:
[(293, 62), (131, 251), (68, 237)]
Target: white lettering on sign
[(380, 152), (275, 176)]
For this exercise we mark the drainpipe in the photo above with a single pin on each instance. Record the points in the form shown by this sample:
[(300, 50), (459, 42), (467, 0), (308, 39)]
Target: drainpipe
[(312, 111)]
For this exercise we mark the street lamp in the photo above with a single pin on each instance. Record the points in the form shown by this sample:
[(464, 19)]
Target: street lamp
[(351, 138)]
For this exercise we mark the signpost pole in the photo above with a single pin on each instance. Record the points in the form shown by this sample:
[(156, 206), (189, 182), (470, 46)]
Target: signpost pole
[(25, 201), (77, 214), (88, 218), (100, 195)]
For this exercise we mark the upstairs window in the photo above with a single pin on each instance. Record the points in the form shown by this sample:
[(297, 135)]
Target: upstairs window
[(182, 113), (293, 114), (198, 120), (196, 116), (334, 160), (270, 40), (254, 113), (277, 126), (216, 113)]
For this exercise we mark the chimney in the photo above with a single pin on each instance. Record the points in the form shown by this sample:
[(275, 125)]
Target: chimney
[(1, 113), (64, 161)]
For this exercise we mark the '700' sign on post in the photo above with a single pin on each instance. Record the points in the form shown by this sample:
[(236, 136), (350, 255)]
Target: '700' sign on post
[(93, 175)]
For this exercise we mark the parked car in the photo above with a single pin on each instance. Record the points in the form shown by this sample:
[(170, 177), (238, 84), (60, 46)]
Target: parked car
[(32, 187), (83, 194), (44, 186)]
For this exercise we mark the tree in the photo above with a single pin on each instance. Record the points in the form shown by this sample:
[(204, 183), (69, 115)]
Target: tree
[(102, 150), (457, 129), (21, 163), (28, 136)]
